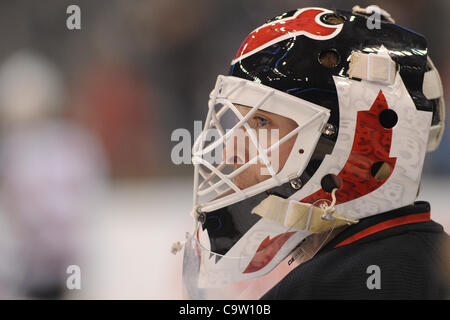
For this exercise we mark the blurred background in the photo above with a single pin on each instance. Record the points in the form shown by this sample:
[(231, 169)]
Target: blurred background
[(86, 118)]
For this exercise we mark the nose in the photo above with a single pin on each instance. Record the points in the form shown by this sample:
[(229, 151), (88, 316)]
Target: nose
[(235, 151)]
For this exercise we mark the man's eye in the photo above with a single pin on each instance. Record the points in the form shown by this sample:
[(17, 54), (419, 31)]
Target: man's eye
[(261, 121)]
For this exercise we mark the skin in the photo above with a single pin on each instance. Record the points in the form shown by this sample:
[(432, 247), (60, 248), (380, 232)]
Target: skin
[(261, 120)]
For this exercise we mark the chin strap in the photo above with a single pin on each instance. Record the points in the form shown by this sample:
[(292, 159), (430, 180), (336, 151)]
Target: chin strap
[(302, 216), (177, 246)]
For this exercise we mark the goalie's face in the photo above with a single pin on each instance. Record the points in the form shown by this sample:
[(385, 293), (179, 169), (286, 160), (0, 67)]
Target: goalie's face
[(269, 127)]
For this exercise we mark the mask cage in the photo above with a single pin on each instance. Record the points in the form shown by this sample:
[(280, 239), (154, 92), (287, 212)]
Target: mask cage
[(214, 175)]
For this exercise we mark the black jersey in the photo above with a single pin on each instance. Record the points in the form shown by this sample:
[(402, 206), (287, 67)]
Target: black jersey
[(400, 254)]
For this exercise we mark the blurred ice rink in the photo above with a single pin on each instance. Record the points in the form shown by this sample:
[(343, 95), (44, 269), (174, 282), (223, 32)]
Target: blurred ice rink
[(129, 238)]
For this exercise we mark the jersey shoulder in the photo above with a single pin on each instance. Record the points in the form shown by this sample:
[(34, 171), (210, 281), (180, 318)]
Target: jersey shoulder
[(409, 264)]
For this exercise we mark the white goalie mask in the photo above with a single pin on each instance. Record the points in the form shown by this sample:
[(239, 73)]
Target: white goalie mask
[(312, 130)]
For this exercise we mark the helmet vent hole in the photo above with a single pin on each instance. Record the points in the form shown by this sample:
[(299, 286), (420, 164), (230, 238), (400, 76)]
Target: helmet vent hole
[(329, 58), (332, 19), (330, 182), (380, 170), (388, 118)]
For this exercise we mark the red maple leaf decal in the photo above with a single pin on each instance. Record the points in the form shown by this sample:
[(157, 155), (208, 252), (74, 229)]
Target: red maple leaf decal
[(371, 144)]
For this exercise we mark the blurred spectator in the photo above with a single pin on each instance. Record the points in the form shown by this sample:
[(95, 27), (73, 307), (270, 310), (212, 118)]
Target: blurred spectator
[(115, 103), (49, 168)]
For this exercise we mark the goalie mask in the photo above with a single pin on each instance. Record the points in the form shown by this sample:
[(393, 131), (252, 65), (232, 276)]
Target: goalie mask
[(322, 121)]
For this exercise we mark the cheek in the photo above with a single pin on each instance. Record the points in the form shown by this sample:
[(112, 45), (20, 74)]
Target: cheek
[(255, 170), (285, 150), (250, 176)]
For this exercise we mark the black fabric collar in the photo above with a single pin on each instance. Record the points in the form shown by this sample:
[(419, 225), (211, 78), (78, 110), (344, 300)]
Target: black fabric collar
[(417, 207)]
